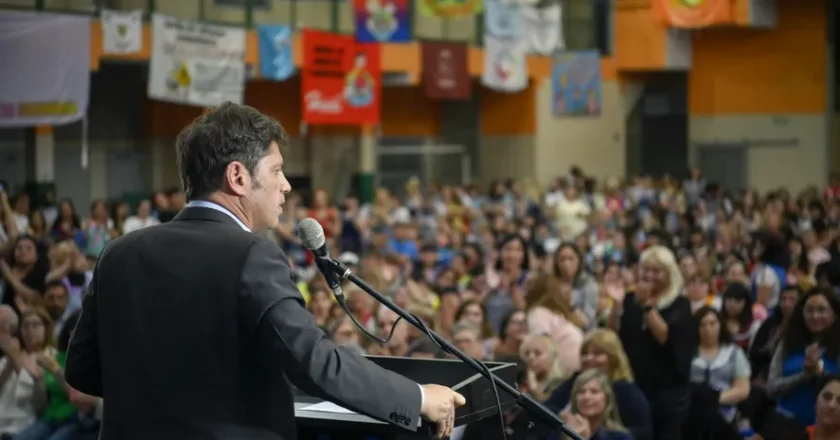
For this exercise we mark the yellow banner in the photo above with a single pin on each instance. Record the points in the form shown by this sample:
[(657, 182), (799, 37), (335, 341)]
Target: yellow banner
[(450, 8)]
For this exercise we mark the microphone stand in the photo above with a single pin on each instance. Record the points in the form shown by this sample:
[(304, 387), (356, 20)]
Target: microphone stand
[(525, 401)]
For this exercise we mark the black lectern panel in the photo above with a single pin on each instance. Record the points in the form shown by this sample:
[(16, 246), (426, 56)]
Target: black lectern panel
[(481, 401)]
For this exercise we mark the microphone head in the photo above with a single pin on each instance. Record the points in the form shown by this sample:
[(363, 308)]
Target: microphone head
[(311, 234)]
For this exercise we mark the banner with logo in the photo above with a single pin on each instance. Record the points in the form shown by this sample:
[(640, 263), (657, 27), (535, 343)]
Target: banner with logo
[(342, 80), (543, 29), (576, 83), (502, 19), (450, 8), (195, 63), (122, 31), (445, 71), (45, 68), (693, 14), (276, 61), (381, 21), (505, 65)]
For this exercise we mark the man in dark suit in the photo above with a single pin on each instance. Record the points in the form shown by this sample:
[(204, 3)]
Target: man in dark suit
[(193, 329)]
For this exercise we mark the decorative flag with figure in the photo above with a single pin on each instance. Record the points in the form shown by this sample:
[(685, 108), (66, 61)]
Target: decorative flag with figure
[(505, 64), (543, 29), (276, 60), (122, 31), (502, 20), (450, 8), (196, 63), (380, 21), (576, 83), (341, 80)]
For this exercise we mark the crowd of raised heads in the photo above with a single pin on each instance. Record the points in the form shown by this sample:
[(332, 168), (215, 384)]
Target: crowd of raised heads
[(661, 309)]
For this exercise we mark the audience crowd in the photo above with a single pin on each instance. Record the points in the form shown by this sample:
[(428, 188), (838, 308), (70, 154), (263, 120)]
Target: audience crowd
[(647, 309)]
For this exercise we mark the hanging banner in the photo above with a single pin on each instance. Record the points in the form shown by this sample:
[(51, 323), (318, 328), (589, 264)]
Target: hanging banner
[(45, 68), (505, 65), (341, 81), (576, 83), (450, 8), (122, 31), (543, 29), (445, 71), (276, 61), (502, 20), (694, 14), (195, 63), (382, 21)]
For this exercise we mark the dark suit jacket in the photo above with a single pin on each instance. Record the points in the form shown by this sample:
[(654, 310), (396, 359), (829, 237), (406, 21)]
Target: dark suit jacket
[(194, 330)]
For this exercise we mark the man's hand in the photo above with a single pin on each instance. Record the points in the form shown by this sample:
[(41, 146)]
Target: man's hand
[(439, 403)]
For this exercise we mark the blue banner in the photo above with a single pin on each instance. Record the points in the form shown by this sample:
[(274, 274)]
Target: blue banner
[(576, 79), (502, 19), (276, 60), (382, 21)]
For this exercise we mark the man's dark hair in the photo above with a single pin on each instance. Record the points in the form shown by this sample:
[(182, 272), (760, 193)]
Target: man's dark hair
[(228, 133), (55, 283)]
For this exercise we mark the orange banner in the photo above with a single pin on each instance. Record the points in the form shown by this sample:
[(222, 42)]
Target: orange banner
[(693, 14)]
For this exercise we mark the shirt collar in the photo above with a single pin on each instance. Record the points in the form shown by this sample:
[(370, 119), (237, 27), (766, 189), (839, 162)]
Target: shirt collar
[(217, 207)]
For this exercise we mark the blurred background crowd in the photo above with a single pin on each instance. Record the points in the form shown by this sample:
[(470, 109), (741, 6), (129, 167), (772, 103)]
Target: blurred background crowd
[(644, 309)]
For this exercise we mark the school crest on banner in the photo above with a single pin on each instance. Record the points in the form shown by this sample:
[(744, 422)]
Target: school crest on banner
[(450, 8), (505, 64), (445, 71), (693, 14), (122, 31), (276, 61), (576, 83), (342, 80), (502, 19), (380, 21), (543, 29), (194, 63)]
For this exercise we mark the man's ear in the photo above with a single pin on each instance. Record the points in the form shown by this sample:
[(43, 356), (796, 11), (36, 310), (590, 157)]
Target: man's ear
[(237, 178)]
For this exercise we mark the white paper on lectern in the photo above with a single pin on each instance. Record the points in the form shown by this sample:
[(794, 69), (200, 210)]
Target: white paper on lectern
[(328, 407)]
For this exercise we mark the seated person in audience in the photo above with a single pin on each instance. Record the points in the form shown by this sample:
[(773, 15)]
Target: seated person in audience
[(23, 273), (56, 298), (592, 412), (737, 314), (513, 331), (343, 331), (467, 338), (810, 348), (827, 426), (720, 375), (59, 420), (20, 398), (425, 348), (548, 308), (602, 350), (545, 372)]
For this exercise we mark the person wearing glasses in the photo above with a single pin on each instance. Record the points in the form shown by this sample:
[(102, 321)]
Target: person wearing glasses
[(809, 349)]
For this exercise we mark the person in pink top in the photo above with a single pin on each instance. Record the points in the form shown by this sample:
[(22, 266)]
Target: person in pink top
[(548, 309)]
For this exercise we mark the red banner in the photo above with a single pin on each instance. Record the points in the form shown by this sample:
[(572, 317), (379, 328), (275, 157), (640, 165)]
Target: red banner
[(342, 80)]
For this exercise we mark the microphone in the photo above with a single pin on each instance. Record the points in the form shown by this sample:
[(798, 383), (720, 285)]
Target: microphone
[(312, 236)]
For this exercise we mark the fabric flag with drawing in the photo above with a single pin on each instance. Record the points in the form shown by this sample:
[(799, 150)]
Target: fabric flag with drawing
[(543, 29), (122, 31), (505, 65), (450, 8), (576, 83), (195, 63), (382, 21), (276, 60), (502, 20), (45, 79)]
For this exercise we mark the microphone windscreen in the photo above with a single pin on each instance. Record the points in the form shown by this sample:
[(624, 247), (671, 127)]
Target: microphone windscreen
[(311, 234)]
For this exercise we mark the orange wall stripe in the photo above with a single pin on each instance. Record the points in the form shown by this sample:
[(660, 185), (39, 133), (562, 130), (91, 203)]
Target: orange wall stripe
[(745, 71), (506, 114), (640, 41)]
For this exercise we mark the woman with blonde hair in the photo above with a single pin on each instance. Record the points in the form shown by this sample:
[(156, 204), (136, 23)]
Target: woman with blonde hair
[(602, 350), (542, 360), (548, 310), (658, 332), (593, 412)]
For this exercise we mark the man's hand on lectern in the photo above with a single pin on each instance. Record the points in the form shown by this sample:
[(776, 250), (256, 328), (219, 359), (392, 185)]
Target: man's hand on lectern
[(439, 403)]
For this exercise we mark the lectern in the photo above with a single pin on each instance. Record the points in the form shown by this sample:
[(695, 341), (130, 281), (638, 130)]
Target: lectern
[(318, 420)]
